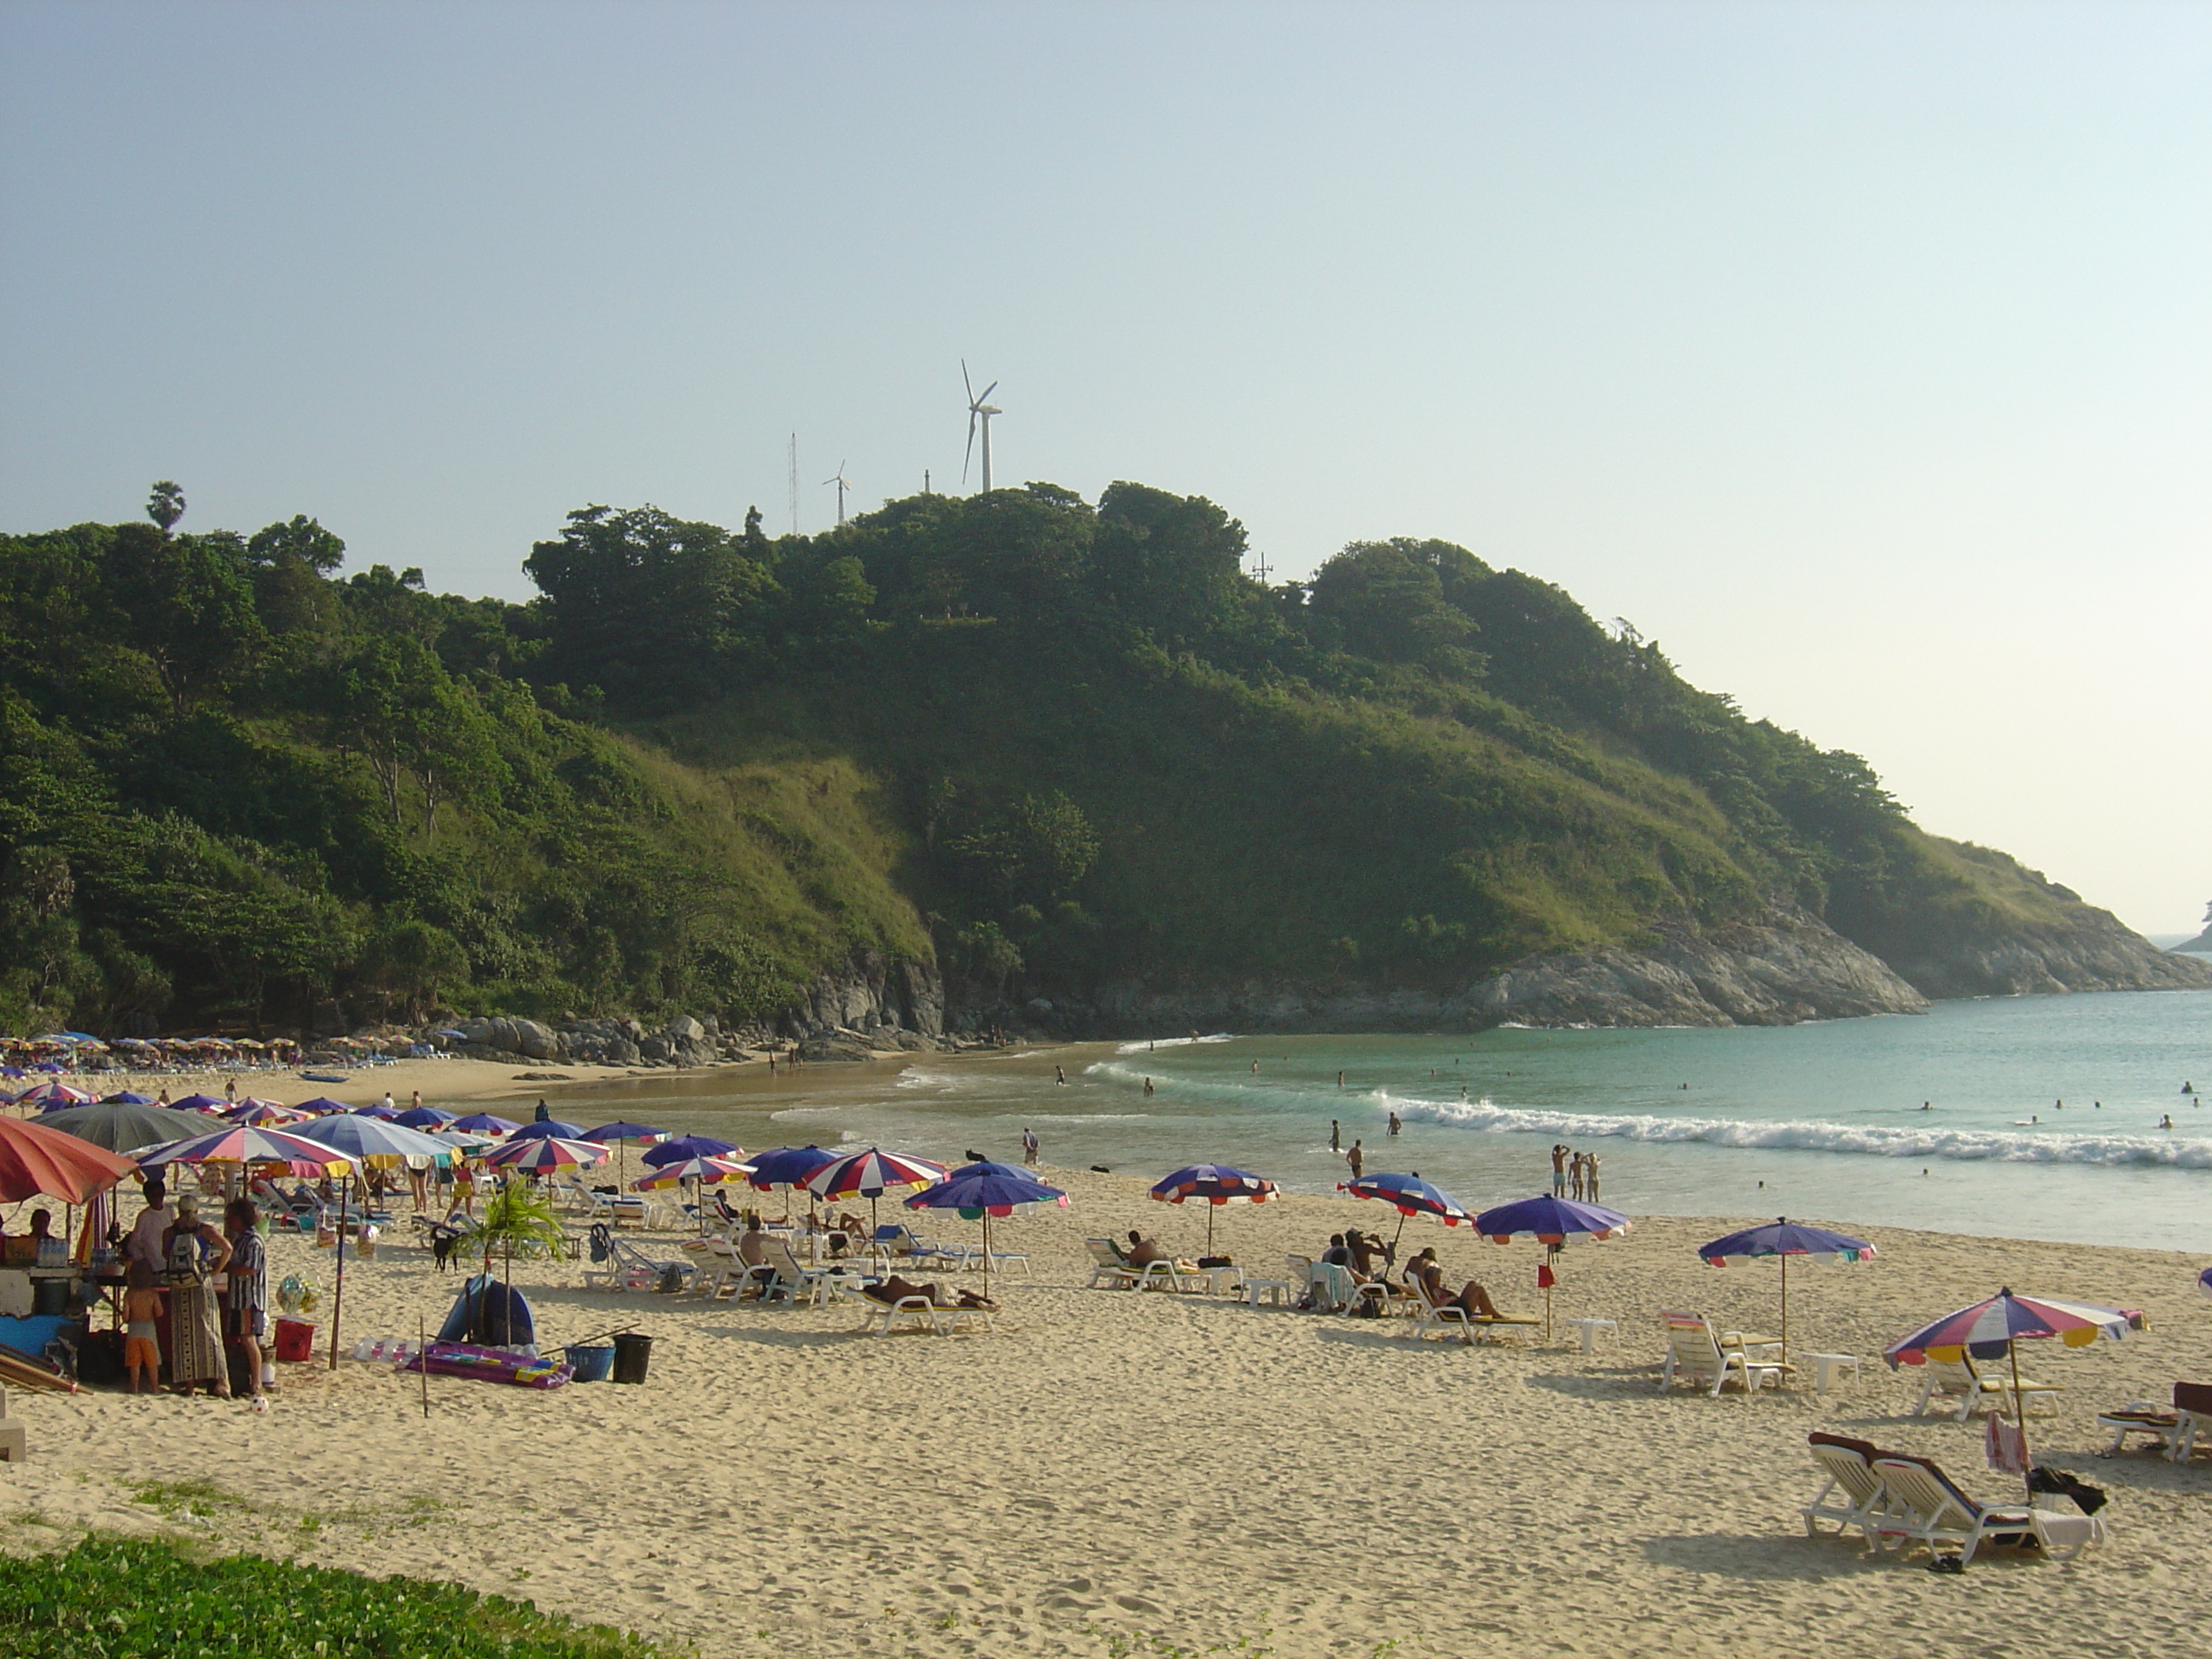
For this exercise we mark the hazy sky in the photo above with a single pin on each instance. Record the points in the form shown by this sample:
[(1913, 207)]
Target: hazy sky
[(1860, 354)]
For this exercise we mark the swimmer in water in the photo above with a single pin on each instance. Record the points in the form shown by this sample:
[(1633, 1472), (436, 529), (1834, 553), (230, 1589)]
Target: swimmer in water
[(1927, 1106), (2167, 1122)]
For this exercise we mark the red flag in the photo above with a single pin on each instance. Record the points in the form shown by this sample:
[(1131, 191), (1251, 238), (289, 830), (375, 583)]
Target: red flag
[(1546, 1279)]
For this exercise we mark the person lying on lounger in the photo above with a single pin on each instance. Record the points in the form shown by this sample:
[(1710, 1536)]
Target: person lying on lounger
[(1473, 1299), (1142, 1251)]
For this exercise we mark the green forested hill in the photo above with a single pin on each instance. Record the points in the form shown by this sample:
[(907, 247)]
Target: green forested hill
[(1041, 743)]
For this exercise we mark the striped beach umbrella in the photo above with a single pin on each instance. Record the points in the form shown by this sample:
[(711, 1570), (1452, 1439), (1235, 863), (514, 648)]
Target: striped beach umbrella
[(1784, 1238), (266, 1115), (706, 1170), (1212, 1185), (257, 1149), (542, 1153), (378, 1145), (619, 1136), (53, 1094), (870, 1174), (1995, 1328)]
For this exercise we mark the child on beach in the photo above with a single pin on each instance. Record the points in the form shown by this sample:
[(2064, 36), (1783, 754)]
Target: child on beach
[(141, 1305)]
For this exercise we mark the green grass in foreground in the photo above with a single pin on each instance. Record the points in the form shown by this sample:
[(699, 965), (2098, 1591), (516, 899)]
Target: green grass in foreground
[(112, 1598)]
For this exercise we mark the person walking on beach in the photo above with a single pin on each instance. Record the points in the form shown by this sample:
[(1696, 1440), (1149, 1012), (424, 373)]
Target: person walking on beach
[(1355, 1158), (1558, 1170), (1029, 1147), (1335, 1136)]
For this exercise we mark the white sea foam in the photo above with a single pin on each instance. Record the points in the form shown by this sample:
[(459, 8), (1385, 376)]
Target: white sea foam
[(1172, 1042), (1870, 1141)]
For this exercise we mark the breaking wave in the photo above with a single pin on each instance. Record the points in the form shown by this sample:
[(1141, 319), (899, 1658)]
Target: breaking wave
[(1929, 1142), (1172, 1042)]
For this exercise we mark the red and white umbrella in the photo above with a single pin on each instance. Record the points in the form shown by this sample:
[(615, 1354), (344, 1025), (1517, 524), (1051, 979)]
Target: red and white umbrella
[(705, 1169), (257, 1149), (870, 1175)]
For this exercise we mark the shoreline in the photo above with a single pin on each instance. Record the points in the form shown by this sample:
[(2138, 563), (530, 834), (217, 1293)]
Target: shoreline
[(1113, 1469)]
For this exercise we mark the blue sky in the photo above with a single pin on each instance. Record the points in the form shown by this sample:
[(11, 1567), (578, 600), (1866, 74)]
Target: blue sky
[(1859, 354)]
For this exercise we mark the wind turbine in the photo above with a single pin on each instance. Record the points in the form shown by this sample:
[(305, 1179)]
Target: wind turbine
[(838, 478), (978, 410)]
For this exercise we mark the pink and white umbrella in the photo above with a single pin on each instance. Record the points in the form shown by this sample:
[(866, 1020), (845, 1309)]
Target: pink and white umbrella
[(870, 1175), (704, 1170), (257, 1149), (266, 1115)]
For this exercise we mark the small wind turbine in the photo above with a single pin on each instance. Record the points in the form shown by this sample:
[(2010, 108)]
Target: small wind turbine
[(978, 410), (838, 478)]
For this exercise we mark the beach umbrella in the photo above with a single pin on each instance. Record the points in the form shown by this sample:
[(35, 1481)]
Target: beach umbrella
[(1410, 1196), (380, 1111), (321, 1105), (540, 1153), (1994, 1329), (2204, 1282), (705, 1169), (547, 1126), (201, 1103), (788, 1167), (618, 1136), (118, 1128), (1211, 1185), (1551, 1221), (682, 1146), (54, 1094), (250, 1148), (266, 1114), (485, 1123), (36, 1159), (982, 1191), (1785, 1238), (372, 1142), (868, 1174), (127, 1098), (424, 1117)]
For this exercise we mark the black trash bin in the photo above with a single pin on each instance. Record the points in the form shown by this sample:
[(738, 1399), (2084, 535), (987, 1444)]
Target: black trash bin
[(633, 1354)]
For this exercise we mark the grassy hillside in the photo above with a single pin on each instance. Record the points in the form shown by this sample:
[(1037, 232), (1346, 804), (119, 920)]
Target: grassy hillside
[(1036, 741)]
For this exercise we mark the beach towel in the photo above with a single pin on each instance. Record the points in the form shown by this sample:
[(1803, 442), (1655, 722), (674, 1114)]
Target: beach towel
[(2005, 1446)]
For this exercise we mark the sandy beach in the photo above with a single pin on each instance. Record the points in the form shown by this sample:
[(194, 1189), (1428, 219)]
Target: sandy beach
[(1117, 1472)]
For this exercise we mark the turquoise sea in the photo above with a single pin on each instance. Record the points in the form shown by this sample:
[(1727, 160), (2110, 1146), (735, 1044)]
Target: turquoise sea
[(2043, 1115)]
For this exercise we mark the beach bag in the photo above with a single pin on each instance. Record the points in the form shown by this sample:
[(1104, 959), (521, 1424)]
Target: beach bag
[(602, 1242)]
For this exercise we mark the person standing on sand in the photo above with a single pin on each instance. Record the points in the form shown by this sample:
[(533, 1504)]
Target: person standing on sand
[(1558, 1170), (1589, 1175), (387, 1103), (1574, 1176), (417, 1104), (1335, 1136), (230, 1089), (1029, 1147), (1355, 1158)]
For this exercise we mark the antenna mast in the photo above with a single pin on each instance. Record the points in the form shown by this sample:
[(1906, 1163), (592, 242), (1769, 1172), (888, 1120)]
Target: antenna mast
[(794, 483)]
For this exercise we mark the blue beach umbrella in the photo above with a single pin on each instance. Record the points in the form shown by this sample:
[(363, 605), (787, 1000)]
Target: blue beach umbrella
[(683, 1147), (545, 1126), (128, 1097), (2204, 1282), (322, 1106), (200, 1104), (1211, 1185), (424, 1117), (789, 1168), (485, 1123), (983, 1191), (370, 1140), (1785, 1238), (1410, 1196), (1553, 1221)]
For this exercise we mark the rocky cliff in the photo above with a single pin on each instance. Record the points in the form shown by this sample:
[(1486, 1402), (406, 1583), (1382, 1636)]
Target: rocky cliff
[(1789, 967)]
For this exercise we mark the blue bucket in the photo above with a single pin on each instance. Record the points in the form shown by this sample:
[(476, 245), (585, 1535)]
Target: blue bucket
[(591, 1365)]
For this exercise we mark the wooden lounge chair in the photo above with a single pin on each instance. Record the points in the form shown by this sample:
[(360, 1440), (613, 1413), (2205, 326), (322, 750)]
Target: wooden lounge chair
[(1957, 1379), (1927, 1508), (1694, 1354)]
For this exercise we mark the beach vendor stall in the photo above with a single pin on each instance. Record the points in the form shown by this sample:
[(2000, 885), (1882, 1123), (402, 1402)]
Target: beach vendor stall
[(44, 1294)]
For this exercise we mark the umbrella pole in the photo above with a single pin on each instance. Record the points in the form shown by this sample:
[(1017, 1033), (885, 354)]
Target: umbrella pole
[(1209, 1235), (2020, 1421), (1785, 1307), (338, 1297), (987, 1249)]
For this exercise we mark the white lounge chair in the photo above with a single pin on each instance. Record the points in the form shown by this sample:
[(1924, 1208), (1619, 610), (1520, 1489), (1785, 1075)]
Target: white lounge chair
[(1927, 1508), (1957, 1379), (1854, 1497), (1108, 1270), (1448, 1318), (1695, 1355)]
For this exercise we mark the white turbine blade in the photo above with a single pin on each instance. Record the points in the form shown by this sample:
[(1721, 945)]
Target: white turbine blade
[(965, 458), (988, 390), (966, 381)]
